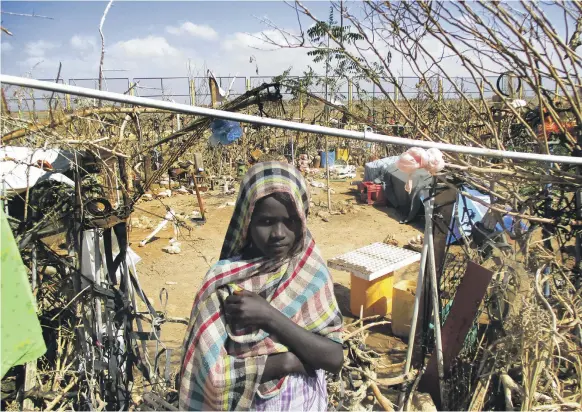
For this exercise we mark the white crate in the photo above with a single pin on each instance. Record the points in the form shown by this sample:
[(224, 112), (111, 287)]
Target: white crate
[(375, 260)]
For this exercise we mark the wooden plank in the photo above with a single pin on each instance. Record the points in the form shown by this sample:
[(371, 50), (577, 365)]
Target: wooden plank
[(444, 203), (468, 298)]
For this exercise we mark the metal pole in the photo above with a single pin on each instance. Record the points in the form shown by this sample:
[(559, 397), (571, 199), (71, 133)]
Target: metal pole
[(284, 124), (429, 207), (417, 295), (326, 108)]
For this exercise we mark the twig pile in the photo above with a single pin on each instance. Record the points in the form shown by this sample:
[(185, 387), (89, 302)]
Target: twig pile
[(356, 387)]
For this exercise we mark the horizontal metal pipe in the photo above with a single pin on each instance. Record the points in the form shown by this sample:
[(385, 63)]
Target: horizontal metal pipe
[(284, 124)]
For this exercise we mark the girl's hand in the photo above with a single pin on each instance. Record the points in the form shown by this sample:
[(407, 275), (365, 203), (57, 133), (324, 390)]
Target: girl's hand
[(245, 308)]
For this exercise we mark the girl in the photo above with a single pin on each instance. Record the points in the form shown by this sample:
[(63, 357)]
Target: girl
[(265, 325)]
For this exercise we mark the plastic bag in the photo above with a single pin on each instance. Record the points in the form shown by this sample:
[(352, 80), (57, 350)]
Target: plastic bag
[(225, 132)]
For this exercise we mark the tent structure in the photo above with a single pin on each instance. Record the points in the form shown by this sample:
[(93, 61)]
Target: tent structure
[(385, 172), (468, 212)]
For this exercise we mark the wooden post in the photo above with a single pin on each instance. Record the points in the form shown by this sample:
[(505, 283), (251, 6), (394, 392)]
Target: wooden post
[(200, 202), (30, 367), (327, 173), (350, 95), (481, 95), (213, 86), (396, 90), (192, 92), (5, 104), (440, 98), (248, 83), (300, 101)]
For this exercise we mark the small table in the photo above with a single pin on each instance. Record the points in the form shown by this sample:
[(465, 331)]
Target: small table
[(371, 271)]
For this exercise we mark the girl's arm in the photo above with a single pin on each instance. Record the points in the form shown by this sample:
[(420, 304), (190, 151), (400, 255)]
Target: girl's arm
[(283, 364), (315, 351)]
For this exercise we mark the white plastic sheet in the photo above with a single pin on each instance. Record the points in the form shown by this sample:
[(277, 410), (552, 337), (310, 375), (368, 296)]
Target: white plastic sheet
[(19, 170), (93, 259)]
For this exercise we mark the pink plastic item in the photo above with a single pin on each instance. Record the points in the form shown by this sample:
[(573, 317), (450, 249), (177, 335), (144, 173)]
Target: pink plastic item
[(417, 158)]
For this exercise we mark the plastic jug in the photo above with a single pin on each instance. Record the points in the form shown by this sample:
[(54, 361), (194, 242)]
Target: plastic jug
[(402, 307)]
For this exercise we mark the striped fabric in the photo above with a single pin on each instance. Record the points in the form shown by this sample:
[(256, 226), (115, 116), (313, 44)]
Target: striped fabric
[(222, 368), (300, 393)]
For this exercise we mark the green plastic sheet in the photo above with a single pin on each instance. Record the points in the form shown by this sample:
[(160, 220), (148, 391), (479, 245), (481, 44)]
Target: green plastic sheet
[(22, 339)]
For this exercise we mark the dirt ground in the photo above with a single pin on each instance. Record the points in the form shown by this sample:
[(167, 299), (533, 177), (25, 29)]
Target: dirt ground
[(181, 274)]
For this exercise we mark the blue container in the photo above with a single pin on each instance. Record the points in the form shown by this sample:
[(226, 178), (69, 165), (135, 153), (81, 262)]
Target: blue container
[(330, 156)]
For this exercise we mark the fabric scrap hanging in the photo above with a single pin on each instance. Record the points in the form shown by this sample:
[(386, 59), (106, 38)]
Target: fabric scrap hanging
[(225, 132), (22, 339)]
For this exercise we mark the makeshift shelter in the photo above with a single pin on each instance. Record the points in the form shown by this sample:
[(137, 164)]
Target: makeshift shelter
[(385, 172)]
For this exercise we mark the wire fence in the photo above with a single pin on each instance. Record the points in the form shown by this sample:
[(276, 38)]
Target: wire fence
[(196, 91)]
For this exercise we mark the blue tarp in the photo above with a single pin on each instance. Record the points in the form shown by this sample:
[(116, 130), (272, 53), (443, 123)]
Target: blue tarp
[(224, 132), (470, 212)]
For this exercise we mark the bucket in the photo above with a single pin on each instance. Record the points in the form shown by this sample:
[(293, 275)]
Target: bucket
[(330, 156), (402, 307), (375, 296), (317, 162)]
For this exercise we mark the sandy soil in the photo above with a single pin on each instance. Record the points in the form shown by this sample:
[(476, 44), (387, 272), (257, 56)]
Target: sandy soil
[(181, 274)]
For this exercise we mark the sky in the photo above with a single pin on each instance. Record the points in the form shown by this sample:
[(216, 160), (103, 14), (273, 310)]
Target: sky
[(145, 39), (148, 39)]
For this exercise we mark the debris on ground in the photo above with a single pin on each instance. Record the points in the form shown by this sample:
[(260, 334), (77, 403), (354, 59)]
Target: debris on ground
[(173, 248), (415, 243), (182, 190), (324, 215), (163, 194), (143, 222), (222, 206), (391, 240)]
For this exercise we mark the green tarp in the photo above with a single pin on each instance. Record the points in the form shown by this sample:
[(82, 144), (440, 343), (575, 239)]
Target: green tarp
[(22, 339)]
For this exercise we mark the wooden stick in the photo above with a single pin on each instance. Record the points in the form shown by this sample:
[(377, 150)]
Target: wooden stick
[(200, 202), (29, 382), (397, 380), (363, 328), (382, 400), (15, 134), (52, 404), (363, 319)]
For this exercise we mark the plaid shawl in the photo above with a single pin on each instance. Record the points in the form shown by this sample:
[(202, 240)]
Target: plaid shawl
[(222, 368)]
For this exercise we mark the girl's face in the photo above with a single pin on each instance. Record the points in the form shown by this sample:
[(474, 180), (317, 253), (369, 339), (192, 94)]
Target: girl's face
[(274, 228)]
